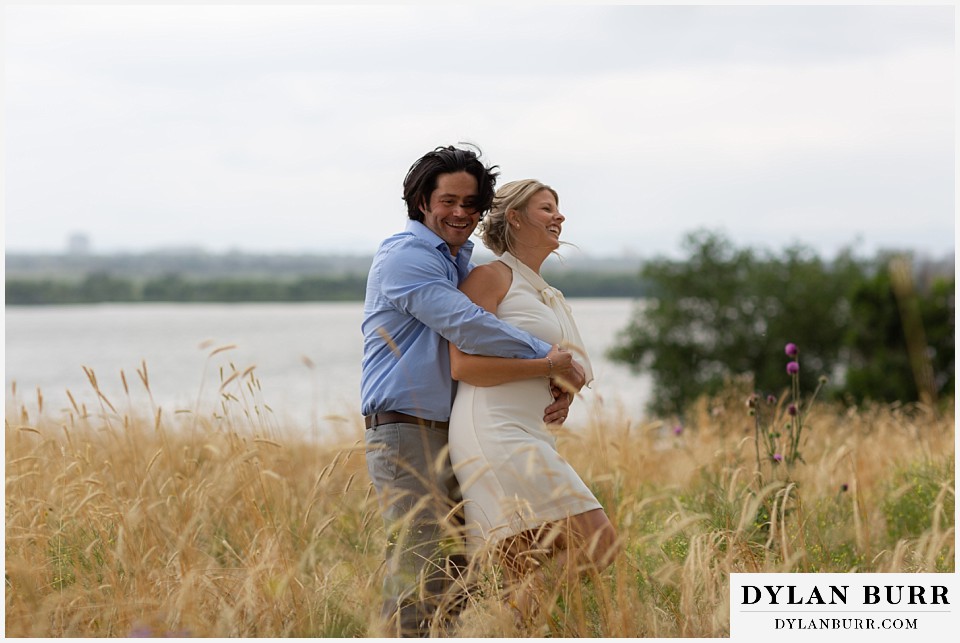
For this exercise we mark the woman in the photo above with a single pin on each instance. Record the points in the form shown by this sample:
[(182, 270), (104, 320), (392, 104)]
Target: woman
[(519, 493)]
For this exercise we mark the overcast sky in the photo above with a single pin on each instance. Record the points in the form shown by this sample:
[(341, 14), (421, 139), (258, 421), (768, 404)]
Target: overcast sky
[(290, 128)]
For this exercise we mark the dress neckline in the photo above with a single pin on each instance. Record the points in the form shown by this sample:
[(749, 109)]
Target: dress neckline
[(525, 271)]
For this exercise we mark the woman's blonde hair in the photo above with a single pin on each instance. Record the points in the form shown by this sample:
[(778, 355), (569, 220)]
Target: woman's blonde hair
[(495, 230)]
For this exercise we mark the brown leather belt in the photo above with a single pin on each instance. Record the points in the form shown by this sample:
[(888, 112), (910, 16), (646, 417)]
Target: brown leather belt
[(391, 417)]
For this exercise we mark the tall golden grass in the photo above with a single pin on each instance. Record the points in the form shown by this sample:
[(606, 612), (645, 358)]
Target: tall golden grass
[(160, 523)]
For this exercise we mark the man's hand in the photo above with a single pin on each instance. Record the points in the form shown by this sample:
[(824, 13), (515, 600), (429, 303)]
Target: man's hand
[(556, 413), (564, 386)]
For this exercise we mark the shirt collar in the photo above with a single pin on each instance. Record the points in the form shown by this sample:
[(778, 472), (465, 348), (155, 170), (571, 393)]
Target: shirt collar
[(430, 237)]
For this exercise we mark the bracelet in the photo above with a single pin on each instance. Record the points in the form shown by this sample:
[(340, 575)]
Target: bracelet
[(549, 366)]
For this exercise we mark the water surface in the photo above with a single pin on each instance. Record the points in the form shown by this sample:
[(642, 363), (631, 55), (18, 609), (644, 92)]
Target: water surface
[(305, 357)]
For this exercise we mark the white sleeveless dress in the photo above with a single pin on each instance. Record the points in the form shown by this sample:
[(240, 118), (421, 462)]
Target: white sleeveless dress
[(511, 476)]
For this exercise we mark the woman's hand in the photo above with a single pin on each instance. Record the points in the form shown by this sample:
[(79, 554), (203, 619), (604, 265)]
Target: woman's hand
[(570, 379), (560, 363)]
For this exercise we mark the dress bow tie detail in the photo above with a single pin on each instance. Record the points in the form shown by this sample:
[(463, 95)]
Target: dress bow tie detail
[(551, 294)]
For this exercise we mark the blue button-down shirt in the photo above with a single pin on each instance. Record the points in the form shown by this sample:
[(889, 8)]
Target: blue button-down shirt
[(412, 309)]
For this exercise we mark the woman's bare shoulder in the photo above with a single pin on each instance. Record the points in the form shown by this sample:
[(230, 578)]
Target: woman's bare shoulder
[(489, 282), (493, 271)]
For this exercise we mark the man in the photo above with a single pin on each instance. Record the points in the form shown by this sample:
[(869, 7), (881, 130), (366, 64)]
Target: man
[(412, 309)]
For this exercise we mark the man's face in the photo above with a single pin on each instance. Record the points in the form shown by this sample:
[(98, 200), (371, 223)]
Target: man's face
[(450, 213)]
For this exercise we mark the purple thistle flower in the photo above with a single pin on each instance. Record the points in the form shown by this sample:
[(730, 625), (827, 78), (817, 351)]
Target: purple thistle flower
[(792, 409), (678, 429), (771, 399), (777, 457), (844, 487), (791, 350), (793, 368)]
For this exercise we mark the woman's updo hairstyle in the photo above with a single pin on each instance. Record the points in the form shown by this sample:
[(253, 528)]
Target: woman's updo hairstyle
[(495, 229)]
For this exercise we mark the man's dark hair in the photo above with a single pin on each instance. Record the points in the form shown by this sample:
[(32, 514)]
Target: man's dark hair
[(421, 179)]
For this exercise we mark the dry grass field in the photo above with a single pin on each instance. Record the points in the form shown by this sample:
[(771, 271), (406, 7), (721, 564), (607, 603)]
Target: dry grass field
[(160, 523)]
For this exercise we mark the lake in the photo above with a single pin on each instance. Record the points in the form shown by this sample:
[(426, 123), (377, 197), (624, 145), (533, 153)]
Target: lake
[(305, 359)]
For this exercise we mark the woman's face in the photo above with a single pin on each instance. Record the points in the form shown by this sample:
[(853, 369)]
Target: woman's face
[(541, 224)]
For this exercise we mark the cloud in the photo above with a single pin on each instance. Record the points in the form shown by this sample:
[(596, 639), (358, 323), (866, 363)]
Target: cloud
[(292, 126)]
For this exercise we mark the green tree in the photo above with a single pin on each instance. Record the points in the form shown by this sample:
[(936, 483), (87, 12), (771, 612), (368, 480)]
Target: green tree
[(169, 287), (101, 287), (28, 292), (596, 284), (725, 311), (349, 287), (239, 290), (877, 352), (938, 310)]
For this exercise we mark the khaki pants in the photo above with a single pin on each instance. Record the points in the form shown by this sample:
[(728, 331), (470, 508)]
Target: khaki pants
[(410, 469)]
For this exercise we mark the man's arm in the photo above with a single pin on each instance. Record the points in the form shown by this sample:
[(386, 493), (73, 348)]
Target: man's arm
[(414, 279), (486, 286)]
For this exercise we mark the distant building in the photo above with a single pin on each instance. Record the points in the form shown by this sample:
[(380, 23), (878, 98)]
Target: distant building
[(78, 244)]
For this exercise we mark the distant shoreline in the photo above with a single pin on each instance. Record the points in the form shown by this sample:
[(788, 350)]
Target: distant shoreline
[(103, 287)]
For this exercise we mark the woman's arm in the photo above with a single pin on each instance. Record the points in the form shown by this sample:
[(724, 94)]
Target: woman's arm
[(486, 286), (481, 370)]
